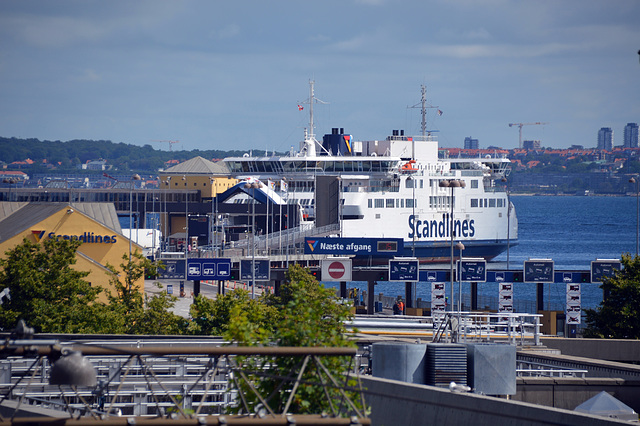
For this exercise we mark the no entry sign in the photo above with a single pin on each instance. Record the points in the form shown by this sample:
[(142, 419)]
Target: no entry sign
[(337, 269)]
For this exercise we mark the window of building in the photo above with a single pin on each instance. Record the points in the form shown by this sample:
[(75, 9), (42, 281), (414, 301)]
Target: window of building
[(378, 203), (492, 202), (474, 183), (390, 203), (474, 202), (370, 203)]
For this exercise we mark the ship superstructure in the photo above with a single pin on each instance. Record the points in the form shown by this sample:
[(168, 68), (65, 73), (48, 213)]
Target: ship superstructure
[(397, 187)]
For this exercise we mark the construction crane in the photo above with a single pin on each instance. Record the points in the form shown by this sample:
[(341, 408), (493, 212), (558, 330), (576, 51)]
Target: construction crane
[(169, 142), (520, 127)]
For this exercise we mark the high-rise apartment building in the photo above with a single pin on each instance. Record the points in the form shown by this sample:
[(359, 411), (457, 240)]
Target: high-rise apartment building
[(631, 135), (470, 143), (605, 139)]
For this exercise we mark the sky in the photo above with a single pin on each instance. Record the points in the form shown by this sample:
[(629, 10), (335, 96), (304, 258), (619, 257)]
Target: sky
[(231, 74)]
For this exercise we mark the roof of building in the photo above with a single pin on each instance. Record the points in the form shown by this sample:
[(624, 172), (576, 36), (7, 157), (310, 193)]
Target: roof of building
[(17, 217), (198, 165)]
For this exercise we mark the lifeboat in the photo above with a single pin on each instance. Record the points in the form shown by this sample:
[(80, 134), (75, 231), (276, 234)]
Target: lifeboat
[(409, 167)]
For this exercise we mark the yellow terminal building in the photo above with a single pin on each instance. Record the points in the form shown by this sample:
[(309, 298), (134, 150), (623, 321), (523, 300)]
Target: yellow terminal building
[(95, 224)]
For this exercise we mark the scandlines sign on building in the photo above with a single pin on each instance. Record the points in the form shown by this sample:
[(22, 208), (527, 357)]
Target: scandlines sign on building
[(86, 237)]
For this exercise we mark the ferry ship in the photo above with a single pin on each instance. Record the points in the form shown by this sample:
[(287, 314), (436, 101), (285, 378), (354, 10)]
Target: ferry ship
[(397, 187)]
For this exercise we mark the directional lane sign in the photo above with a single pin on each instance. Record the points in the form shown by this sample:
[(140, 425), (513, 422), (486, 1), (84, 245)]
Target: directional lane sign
[(473, 270), (262, 271), (208, 269), (538, 271), (602, 268), (405, 270)]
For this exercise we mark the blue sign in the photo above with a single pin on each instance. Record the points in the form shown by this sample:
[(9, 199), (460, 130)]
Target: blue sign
[(262, 270), (172, 269), (604, 268), (208, 269), (472, 270), (403, 270), (538, 271), (384, 247)]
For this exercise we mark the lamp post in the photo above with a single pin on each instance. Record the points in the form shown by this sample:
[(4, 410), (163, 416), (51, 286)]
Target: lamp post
[(134, 178), (186, 221), (413, 212), (166, 217), (253, 186), (212, 241), (460, 247), (452, 183), (636, 180), (506, 182)]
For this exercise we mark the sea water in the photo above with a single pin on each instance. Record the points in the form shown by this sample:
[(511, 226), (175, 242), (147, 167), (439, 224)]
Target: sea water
[(570, 230)]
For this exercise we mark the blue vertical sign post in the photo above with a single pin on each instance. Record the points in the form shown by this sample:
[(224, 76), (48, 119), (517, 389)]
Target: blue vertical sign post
[(539, 271)]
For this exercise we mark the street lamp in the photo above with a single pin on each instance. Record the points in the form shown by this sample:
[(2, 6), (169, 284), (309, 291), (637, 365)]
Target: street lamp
[(636, 180), (413, 212), (166, 215), (212, 240), (452, 183), (506, 182), (253, 186), (186, 221), (134, 178), (460, 247)]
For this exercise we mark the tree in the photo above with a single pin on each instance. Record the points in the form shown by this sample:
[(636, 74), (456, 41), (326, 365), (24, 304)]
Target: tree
[(138, 314), (618, 315), (307, 315), (214, 317), (47, 292)]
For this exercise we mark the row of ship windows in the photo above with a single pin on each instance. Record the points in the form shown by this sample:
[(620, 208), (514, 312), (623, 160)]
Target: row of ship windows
[(435, 202)]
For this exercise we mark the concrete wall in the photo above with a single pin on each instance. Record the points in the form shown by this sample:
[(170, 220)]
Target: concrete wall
[(398, 403), (608, 349), (569, 392)]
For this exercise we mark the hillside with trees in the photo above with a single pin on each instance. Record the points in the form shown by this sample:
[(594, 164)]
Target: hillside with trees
[(68, 156)]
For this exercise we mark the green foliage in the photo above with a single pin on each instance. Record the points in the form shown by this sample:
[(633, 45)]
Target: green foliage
[(215, 317), (52, 297), (47, 292), (136, 314), (307, 315), (618, 316), (119, 155)]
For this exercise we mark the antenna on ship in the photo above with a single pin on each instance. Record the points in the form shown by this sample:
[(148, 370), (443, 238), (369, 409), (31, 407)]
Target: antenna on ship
[(310, 137), (312, 100), (423, 110)]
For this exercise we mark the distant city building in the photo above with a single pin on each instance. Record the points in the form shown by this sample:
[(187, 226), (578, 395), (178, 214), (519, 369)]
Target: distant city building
[(530, 145), (470, 143), (631, 135), (605, 139), (578, 147), (95, 165)]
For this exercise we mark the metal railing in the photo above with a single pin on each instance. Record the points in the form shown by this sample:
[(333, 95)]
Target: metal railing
[(186, 379)]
